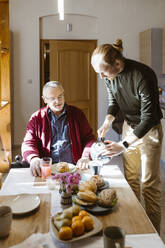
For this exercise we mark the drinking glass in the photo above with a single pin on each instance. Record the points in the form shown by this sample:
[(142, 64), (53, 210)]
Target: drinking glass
[(46, 163), (95, 167)]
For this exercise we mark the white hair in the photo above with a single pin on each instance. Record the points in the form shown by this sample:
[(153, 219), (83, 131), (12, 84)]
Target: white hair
[(51, 84)]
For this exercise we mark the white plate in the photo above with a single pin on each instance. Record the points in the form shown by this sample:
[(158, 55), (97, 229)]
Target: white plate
[(23, 203), (72, 168), (97, 228)]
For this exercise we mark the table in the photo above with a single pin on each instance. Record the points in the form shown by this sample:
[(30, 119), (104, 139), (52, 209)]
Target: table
[(128, 213)]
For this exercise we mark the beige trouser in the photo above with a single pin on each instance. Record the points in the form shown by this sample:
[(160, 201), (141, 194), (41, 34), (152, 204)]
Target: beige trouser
[(142, 170)]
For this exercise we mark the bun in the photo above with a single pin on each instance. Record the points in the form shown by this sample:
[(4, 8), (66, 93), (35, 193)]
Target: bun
[(62, 167), (118, 44), (88, 185), (107, 197), (98, 180), (88, 196), (81, 202)]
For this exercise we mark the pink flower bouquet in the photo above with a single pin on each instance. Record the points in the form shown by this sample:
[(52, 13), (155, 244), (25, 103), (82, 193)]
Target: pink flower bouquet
[(68, 182)]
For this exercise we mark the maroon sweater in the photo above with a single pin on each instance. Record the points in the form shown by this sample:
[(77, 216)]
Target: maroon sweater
[(38, 134)]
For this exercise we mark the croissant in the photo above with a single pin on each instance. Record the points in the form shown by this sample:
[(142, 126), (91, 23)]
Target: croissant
[(63, 222), (69, 213), (75, 210)]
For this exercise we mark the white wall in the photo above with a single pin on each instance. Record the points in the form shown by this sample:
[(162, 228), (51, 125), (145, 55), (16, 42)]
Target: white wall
[(114, 19)]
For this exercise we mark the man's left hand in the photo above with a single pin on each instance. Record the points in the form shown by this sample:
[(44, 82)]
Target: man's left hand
[(111, 149), (83, 163)]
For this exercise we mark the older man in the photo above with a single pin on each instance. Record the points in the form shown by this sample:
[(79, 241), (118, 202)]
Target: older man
[(57, 130)]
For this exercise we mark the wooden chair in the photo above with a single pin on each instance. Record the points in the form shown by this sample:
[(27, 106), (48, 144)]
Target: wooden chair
[(19, 163), (4, 166), (0, 180)]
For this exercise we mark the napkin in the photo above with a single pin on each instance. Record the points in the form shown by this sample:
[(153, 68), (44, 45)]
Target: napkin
[(37, 240), (132, 241), (144, 240)]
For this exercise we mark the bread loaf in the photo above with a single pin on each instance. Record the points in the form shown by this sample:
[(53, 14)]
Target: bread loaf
[(98, 180), (62, 167), (107, 197)]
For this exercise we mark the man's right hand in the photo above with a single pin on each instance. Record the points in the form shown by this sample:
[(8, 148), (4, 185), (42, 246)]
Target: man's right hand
[(103, 130), (105, 126), (35, 166)]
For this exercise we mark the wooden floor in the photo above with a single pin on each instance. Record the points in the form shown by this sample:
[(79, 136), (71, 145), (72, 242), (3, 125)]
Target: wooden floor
[(118, 161)]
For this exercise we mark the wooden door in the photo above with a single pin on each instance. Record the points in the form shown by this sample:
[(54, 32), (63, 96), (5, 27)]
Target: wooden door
[(68, 61), (5, 98)]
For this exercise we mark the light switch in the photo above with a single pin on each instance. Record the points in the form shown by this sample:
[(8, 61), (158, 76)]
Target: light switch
[(68, 27)]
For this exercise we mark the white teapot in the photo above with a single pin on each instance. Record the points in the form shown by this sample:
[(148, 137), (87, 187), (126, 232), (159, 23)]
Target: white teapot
[(95, 150)]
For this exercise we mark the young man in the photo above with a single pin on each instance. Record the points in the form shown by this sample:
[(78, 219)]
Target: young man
[(133, 90), (57, 130)]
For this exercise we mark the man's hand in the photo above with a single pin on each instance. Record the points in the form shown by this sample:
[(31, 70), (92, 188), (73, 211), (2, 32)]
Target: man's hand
[(111, 148), (105, 126), (103, 130), (35, 166), (83, 163)]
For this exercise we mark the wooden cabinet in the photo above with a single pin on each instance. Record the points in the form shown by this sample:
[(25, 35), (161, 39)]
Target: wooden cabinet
[(151, 49), (4, 23), (5, 102)]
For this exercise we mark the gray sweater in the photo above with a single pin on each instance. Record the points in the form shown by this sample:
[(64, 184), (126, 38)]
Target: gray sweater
[(135, 93)]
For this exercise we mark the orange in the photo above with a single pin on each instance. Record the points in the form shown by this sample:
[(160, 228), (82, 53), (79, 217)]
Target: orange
[(65, 233), (76, 218), (88, 223), (83, 213), (78, 228)]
